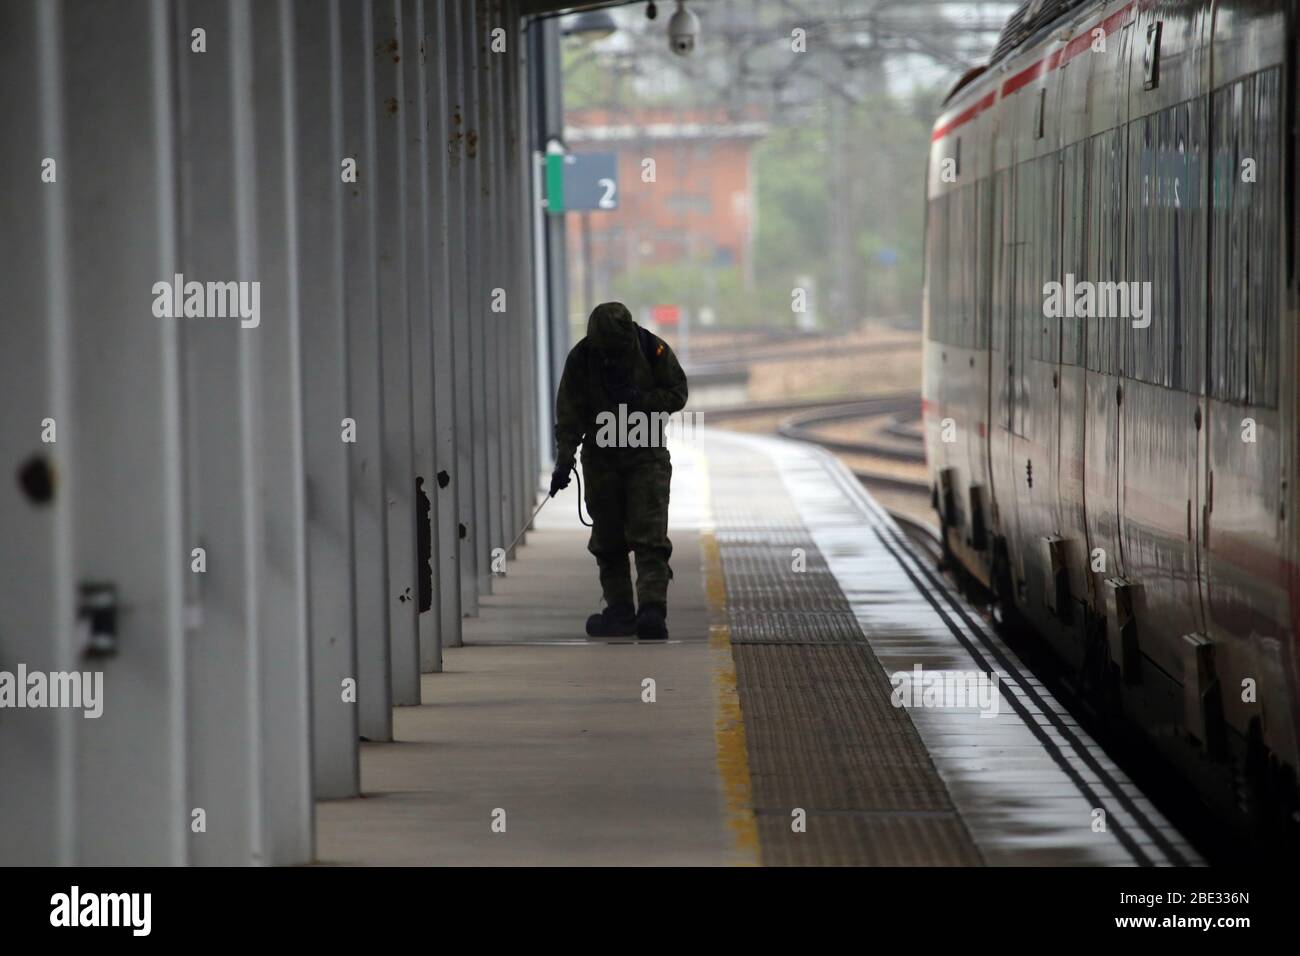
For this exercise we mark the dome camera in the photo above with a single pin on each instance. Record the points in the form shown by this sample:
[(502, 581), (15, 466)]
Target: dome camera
[(683, 28)]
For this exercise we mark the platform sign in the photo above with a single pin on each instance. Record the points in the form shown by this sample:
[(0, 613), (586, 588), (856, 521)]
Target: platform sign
[(666, 316), (581, 182)]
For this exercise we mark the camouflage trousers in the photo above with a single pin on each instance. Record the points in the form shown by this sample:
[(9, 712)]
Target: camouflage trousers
[(627, 498)]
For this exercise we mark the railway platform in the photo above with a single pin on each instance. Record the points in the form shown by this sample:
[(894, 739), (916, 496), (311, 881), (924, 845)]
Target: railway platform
[(825, 698)]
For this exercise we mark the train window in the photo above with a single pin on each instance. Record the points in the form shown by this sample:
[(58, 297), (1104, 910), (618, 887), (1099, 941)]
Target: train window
[(1245, 241), (953, 259), (933, 267), (952, 267), (1037, 212), (966, 238), (1105, 160), (1166, 246), (1005, 250), (958, 240), (1074, 233), (937, 267), (1144, 347), (1151, 57), (983, 262), (945, 257), (1191, 151)]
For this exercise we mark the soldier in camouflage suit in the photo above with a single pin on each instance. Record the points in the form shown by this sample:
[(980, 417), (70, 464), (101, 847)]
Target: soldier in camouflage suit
[(621, 364)]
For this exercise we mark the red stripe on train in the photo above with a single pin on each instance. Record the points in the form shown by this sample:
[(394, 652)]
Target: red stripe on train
[(1058, 58), (965, 116)]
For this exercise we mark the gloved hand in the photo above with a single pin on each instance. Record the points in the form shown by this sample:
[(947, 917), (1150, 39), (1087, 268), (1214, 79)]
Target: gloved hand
[(560, 476), (628, 395)]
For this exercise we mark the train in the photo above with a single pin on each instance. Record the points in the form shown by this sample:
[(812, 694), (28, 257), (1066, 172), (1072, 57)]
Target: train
[(1109, 394)]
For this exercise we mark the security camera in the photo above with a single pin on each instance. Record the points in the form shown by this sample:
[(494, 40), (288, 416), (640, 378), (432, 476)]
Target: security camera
[(683, 28)]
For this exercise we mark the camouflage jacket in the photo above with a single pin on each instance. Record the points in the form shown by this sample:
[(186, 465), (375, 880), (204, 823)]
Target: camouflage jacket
[(615, 352)]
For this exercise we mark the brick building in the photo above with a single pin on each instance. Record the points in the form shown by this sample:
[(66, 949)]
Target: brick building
[(699, 208)]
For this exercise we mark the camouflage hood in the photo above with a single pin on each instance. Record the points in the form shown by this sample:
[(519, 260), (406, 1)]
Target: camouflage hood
[(611, 328)]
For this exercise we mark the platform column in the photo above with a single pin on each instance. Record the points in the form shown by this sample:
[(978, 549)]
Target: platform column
[(392, 120), (458, 244), (410, 52), (282, 739), (318, 182), (445, 493), (215, 146), (37, 582), (365, 374), (478, 296), (121, 445)]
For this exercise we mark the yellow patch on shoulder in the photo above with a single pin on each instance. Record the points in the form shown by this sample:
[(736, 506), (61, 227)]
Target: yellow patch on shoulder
[(660, 350)]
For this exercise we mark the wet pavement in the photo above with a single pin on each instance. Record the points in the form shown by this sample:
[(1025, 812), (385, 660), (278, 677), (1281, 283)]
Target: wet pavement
[(799, 614), (1030, 785)]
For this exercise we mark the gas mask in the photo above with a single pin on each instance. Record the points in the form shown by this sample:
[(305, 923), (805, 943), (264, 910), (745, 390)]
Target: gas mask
[(616, 377)]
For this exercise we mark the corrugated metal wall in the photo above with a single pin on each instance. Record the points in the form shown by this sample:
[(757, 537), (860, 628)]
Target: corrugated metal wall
[(396, 309)]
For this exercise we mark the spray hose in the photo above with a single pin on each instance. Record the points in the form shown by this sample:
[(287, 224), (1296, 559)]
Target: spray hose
[(542, 504), (576, 474)]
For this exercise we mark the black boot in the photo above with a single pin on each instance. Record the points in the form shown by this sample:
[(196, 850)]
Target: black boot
[(651, 622), (617, 620)]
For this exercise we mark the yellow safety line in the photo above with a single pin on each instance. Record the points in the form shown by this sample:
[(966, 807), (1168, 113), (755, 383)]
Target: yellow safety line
[(729, 722)]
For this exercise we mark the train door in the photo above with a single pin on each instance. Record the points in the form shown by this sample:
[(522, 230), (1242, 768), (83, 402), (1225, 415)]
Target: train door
[(1159, 415), (1105, 156), (1036, 408), (1246, 443), (1003, 362), (963, 363), (1083, 106), (1071, 519), (980, 490), (936, 390)]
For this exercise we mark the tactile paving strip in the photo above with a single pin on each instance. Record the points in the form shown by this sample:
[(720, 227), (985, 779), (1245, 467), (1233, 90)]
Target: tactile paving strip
[(774, 626), (780, 578), (823, 737), (868, 840)]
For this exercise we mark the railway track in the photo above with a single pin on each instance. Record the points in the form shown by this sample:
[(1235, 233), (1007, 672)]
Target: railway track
[(712, 360), (890, 421)]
